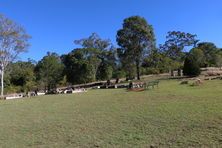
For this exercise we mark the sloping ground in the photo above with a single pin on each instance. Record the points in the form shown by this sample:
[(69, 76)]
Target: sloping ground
[(211, 71), (172, 115)]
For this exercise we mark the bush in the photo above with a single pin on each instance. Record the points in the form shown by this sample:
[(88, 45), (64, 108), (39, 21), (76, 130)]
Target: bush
[(149, 70), (12, 89), (184, 82), (118, 74), (191, 66)]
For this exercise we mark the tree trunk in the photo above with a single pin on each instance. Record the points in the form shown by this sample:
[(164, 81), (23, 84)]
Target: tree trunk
[(117, 80), (179, 72), (48, 87), (138, 70), (2, 81), (172, 73)]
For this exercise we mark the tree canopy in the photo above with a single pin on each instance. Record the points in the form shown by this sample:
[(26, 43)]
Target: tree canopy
[(49, 70), (98, 59), (13, 41), (135, 38)]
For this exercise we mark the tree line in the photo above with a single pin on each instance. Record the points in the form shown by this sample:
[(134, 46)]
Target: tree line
[(98, 59)]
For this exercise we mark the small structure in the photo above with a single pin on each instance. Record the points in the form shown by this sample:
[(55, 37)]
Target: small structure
[(140, 86), (40, 93), (71, 90), (14, 96)]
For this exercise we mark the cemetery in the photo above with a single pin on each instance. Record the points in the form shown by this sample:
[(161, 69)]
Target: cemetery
[(110, 74)]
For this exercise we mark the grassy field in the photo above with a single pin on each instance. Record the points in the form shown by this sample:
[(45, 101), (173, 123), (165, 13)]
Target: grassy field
[(172, 115)]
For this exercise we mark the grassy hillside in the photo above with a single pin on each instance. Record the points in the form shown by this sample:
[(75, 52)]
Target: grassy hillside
[(172, 115)]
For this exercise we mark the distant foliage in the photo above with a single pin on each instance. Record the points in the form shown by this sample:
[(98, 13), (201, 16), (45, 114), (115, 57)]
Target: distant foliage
[(174, 48), (49, 71), (94, 41), (135, 38), (212, 54), (22, 74), (81, 65), (13, 41), (105, 71), (97, 59), (191, 66)]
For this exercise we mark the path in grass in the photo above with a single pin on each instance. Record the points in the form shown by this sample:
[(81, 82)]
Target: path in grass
[(172, 115)]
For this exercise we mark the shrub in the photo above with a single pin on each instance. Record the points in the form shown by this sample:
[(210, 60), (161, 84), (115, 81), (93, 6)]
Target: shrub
[(184, 82), (191, 66), (13, 89), (149, 70)]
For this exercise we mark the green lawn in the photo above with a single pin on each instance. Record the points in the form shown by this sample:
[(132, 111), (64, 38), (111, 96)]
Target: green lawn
[(173, 115)]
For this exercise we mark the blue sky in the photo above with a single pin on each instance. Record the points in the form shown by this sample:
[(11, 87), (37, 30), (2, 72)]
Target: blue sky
[(55, 24)]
